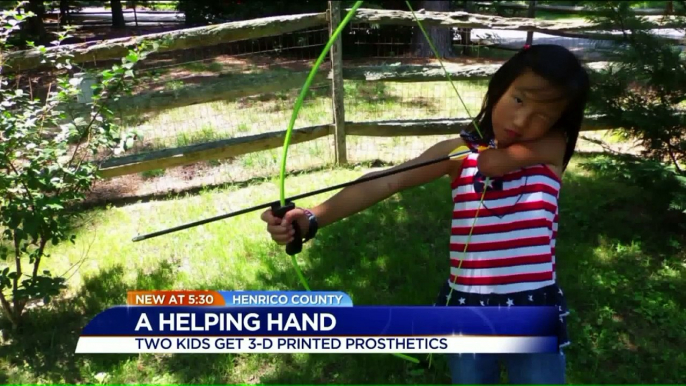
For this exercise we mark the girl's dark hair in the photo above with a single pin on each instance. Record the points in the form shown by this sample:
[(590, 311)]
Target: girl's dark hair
[(558, 66)]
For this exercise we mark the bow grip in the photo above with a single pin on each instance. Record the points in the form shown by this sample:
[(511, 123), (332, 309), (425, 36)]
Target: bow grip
[(295, 246)]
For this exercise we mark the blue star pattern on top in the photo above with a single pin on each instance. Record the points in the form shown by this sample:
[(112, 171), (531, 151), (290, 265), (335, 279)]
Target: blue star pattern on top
[(492, 184)]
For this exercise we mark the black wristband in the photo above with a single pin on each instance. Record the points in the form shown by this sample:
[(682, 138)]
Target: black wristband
[(312, 228)]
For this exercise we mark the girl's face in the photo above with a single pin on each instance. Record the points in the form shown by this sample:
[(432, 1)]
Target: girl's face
[(527, 110)]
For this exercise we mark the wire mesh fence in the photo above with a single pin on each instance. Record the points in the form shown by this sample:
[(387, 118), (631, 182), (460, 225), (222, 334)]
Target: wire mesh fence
[(294, 53), (223, 119), (409, 100)]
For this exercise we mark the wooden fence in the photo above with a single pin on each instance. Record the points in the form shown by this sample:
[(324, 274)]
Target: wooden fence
[(238, 86), (502, 5), (272, 26)]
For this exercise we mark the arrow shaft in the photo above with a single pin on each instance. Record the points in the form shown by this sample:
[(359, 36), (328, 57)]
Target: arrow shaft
[(303, 195)]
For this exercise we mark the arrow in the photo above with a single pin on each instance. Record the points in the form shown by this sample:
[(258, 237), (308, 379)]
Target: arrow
[(456, 154)]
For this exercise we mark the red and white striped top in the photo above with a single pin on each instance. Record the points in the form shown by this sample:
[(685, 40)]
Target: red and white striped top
[(512, 248)]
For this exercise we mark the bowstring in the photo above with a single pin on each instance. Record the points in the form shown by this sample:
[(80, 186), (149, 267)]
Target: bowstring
[(471, 231), (481, 201), (447, 74)]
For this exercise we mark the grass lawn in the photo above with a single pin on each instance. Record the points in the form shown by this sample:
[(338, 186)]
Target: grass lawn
[(550, 15), (620, 256)]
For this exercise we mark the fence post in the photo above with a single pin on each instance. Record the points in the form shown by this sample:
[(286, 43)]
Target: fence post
[(531, 14), (337, 91), (135, 15), (466, 34)]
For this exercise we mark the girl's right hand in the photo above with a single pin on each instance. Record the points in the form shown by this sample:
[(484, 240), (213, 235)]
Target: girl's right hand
[(282, 230)]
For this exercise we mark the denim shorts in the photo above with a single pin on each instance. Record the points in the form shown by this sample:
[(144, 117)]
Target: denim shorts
[(522, 369), (538, 368)]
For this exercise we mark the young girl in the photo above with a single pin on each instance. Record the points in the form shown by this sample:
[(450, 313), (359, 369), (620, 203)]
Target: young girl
[(530, 118)]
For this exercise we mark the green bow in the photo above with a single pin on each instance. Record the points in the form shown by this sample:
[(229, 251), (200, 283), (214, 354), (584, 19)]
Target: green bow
[(291, 124)]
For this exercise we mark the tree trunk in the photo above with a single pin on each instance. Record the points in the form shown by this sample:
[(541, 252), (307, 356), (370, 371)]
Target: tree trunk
[(117, 14), (33, 28), (531, 14), (64, 12), (466, 33), (441, 37), (135, 15), (669, 9), (192, 13)]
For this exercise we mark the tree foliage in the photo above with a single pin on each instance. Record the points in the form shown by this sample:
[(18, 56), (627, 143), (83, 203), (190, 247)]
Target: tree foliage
[(644, 90), (47, 163)]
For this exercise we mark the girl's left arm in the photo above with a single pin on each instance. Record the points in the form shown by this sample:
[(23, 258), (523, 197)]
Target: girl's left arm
[(547, 150)]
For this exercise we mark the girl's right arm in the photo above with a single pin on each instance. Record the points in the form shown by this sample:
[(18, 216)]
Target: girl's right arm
[(358, 197)]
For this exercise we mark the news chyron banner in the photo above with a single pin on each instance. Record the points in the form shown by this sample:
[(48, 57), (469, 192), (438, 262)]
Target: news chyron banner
[(309, 322)]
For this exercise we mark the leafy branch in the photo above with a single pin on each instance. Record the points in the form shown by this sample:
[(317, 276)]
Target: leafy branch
[(48, 155), (641, 92)]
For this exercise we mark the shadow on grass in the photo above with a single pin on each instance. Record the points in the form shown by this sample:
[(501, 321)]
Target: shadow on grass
[(44, 345), (376, 96), (620, 262), (97, 202)]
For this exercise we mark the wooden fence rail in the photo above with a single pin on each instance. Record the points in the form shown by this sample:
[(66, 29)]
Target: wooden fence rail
[(217, 89), (460, 19), (564, 8), (233, 147), (172, 40), (162, 159), (272, 26)]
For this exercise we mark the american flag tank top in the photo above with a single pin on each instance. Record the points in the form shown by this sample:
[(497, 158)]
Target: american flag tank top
[(512, 246)]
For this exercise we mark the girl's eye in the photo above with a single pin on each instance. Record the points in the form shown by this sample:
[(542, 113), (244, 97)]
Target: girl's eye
[(517, 100)]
